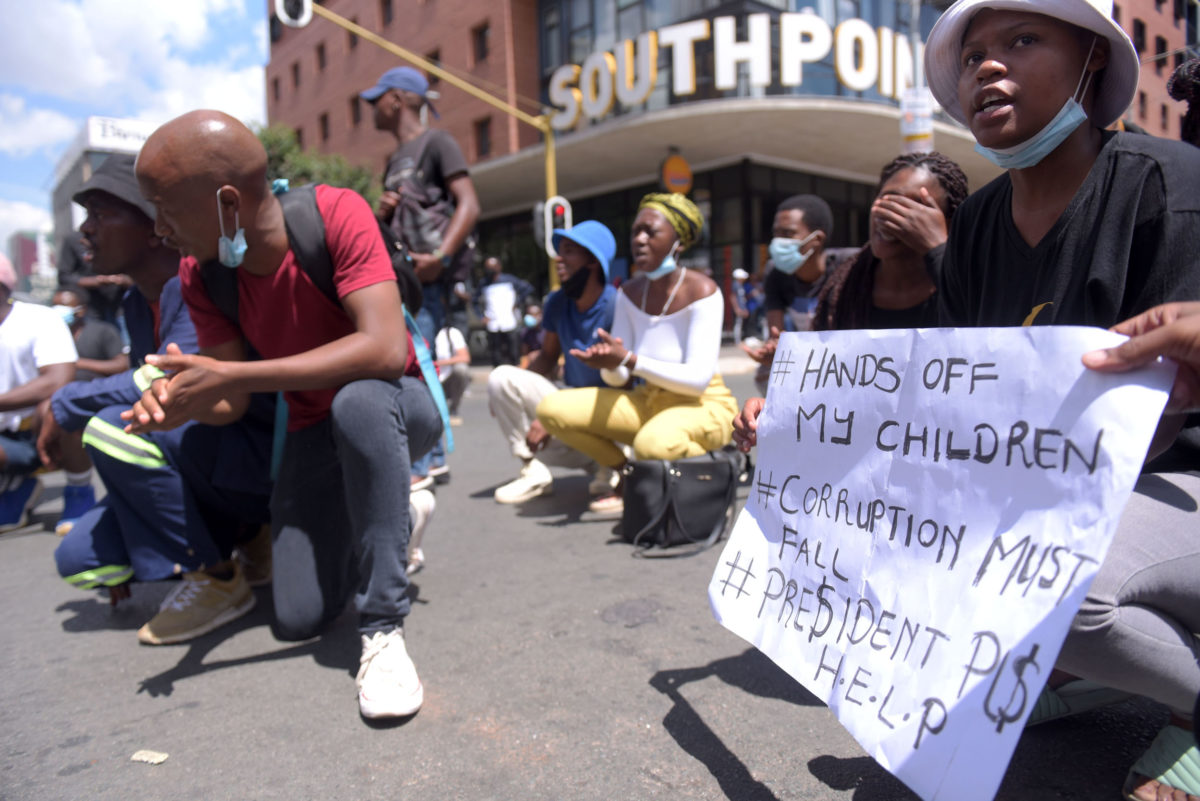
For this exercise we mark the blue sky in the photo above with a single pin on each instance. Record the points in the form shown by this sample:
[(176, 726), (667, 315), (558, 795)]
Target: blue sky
[(66, 60)]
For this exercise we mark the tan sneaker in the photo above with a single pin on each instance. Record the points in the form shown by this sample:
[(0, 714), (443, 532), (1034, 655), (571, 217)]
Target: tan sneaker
[(197, 605), (254, 556)]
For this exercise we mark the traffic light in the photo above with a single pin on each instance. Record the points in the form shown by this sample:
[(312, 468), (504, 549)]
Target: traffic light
[(556, 213), (294, 13)]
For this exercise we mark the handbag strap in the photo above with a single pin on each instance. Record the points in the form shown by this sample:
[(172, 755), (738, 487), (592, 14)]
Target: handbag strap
[(646, 550)]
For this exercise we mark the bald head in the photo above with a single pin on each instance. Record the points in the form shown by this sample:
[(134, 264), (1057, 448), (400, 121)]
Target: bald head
[(194, 162), (205, 146)]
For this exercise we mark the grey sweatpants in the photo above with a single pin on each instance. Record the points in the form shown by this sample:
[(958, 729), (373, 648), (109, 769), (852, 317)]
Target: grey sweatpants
[(1137, 629)]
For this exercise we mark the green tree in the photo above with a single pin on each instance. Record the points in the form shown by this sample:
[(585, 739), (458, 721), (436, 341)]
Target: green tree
[(285, 159)]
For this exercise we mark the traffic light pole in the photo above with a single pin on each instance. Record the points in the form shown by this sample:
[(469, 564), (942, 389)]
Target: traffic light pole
[(541, 121)]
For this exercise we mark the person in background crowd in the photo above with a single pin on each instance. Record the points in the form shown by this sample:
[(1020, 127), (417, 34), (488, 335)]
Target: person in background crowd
[(101, 351), (665, 397), (795, 273), (1184, 85), (104, 291), (358, 412), (179, 501), (739, 302), (532, 334), (429, 199), (573, 318), (891, 282), (1085, 227), (37, 356), (452, 357), (498, 297)]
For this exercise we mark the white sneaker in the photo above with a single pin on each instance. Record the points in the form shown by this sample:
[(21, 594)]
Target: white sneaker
[(388, 685), (535, 480), (603, 482), (421, 505)]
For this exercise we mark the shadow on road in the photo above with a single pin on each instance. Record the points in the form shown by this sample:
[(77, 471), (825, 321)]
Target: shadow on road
[(749, 671)]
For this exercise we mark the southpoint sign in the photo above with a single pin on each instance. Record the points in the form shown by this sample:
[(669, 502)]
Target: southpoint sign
[(863, 57)]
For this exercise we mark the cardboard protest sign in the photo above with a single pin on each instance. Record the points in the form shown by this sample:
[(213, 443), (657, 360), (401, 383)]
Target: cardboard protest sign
[(927, 513)]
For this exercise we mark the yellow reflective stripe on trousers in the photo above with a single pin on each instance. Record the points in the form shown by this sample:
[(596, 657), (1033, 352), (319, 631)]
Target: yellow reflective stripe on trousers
[(128, 448), (106, 576), (145, 375)]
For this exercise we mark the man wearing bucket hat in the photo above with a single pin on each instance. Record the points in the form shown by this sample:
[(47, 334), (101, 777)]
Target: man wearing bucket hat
[(1085, 227), (570, 318)]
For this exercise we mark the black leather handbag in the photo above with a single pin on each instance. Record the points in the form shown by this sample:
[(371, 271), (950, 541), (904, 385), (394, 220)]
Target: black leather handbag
[(682, 502)]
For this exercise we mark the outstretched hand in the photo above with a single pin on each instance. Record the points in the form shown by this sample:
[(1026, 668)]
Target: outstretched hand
[(1171, 330), (608, 353)]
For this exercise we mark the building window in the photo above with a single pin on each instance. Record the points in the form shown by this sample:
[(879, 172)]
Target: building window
[(353, 37), (483, 137), (1158, 4), (323, 121), (386, 11), (1180, 11), (551, 39), (321, 57), (355, 110), (300, 137), (1160, 54), (1178, 59), (1164, 117), (1117, 14), (434, 57), (275, 89), (1139, 35), (1142, 106), (295, 74), (276, 29), (480, 43)]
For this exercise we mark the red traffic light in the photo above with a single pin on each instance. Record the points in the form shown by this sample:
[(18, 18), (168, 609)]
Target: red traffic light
[(558, 214)]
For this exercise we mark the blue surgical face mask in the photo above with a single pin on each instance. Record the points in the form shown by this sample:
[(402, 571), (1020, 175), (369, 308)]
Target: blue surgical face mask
[(668, 264), (67, 313), (530, 321), (230, 252), (1045, 141), (786, 253)]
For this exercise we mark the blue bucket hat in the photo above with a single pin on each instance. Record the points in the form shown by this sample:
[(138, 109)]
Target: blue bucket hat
[(592, 235), (405, 79)]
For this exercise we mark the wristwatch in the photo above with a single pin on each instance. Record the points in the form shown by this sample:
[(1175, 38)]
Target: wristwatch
[(444, 258)]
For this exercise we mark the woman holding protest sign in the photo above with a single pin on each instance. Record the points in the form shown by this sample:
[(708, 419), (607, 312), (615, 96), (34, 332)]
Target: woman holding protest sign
[(1085, 227), (665, 397)]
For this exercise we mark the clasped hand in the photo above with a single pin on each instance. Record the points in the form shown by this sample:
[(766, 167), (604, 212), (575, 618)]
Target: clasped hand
[(192, 385)]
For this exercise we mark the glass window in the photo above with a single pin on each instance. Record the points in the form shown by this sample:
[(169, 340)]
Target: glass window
[(483, 137), (352, 38), (1139, 35), (386, 11), (481, 42), (355, 110), (321, 57), (581, 13), (275, 88), (629, 21), (295, 73), (1160, 54), (434, 56), (551, 38), (323, 122)]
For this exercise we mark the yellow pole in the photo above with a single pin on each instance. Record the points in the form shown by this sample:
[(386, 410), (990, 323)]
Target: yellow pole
[(541, 121)]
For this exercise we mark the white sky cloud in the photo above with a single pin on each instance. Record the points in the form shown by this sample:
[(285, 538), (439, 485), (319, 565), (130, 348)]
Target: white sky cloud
[(17, 215), (24, 131)]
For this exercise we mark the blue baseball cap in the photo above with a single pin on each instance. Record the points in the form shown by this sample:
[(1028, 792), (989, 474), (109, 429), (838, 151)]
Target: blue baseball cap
[(405, 79), (592, 235)]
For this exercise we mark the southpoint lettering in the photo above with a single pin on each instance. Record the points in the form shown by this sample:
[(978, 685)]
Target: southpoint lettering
[(862, 57)]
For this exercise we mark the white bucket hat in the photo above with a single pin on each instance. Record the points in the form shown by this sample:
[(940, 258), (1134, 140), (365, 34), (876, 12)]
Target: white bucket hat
[(1118, 82)]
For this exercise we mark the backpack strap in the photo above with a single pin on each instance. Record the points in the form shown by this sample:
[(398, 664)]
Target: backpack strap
[(221, 286)]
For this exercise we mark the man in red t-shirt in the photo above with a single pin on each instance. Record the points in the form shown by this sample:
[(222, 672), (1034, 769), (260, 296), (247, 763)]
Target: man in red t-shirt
[(358, 410)]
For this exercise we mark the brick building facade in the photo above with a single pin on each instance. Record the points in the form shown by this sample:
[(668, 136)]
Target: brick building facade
[(315, 73), (1161, 31)]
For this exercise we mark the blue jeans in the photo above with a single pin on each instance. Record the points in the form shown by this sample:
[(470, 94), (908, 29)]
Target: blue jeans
[(432, 315), (339, 514), (20, 453)]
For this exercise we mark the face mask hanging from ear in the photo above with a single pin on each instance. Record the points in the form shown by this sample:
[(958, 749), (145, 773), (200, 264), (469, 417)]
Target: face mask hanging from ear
[(230, 252), (786, 254), (668, 264), (1045, 141)]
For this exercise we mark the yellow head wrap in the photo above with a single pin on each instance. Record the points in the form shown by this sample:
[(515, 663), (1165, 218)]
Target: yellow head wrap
[(680, 212)]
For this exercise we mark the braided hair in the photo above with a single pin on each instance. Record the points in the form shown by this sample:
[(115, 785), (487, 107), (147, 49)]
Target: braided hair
[(1185, 85), (845, 299)]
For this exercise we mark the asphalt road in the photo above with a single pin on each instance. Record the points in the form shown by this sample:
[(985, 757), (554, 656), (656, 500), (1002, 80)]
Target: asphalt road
[(555, 666)]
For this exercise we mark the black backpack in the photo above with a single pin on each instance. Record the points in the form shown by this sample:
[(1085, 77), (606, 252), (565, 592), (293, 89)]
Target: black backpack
[(306, 236)]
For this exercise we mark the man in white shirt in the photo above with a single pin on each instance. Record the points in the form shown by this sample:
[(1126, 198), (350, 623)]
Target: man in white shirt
[(452, 357), (37, 356), (500, 295)]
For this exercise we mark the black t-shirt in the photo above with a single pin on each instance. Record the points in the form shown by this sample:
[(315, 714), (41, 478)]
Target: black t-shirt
[(441, 160), (97, 340), (1128, 241), (797, 299)]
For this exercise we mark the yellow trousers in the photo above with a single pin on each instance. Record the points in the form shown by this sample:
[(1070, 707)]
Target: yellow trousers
[(658, 423)]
